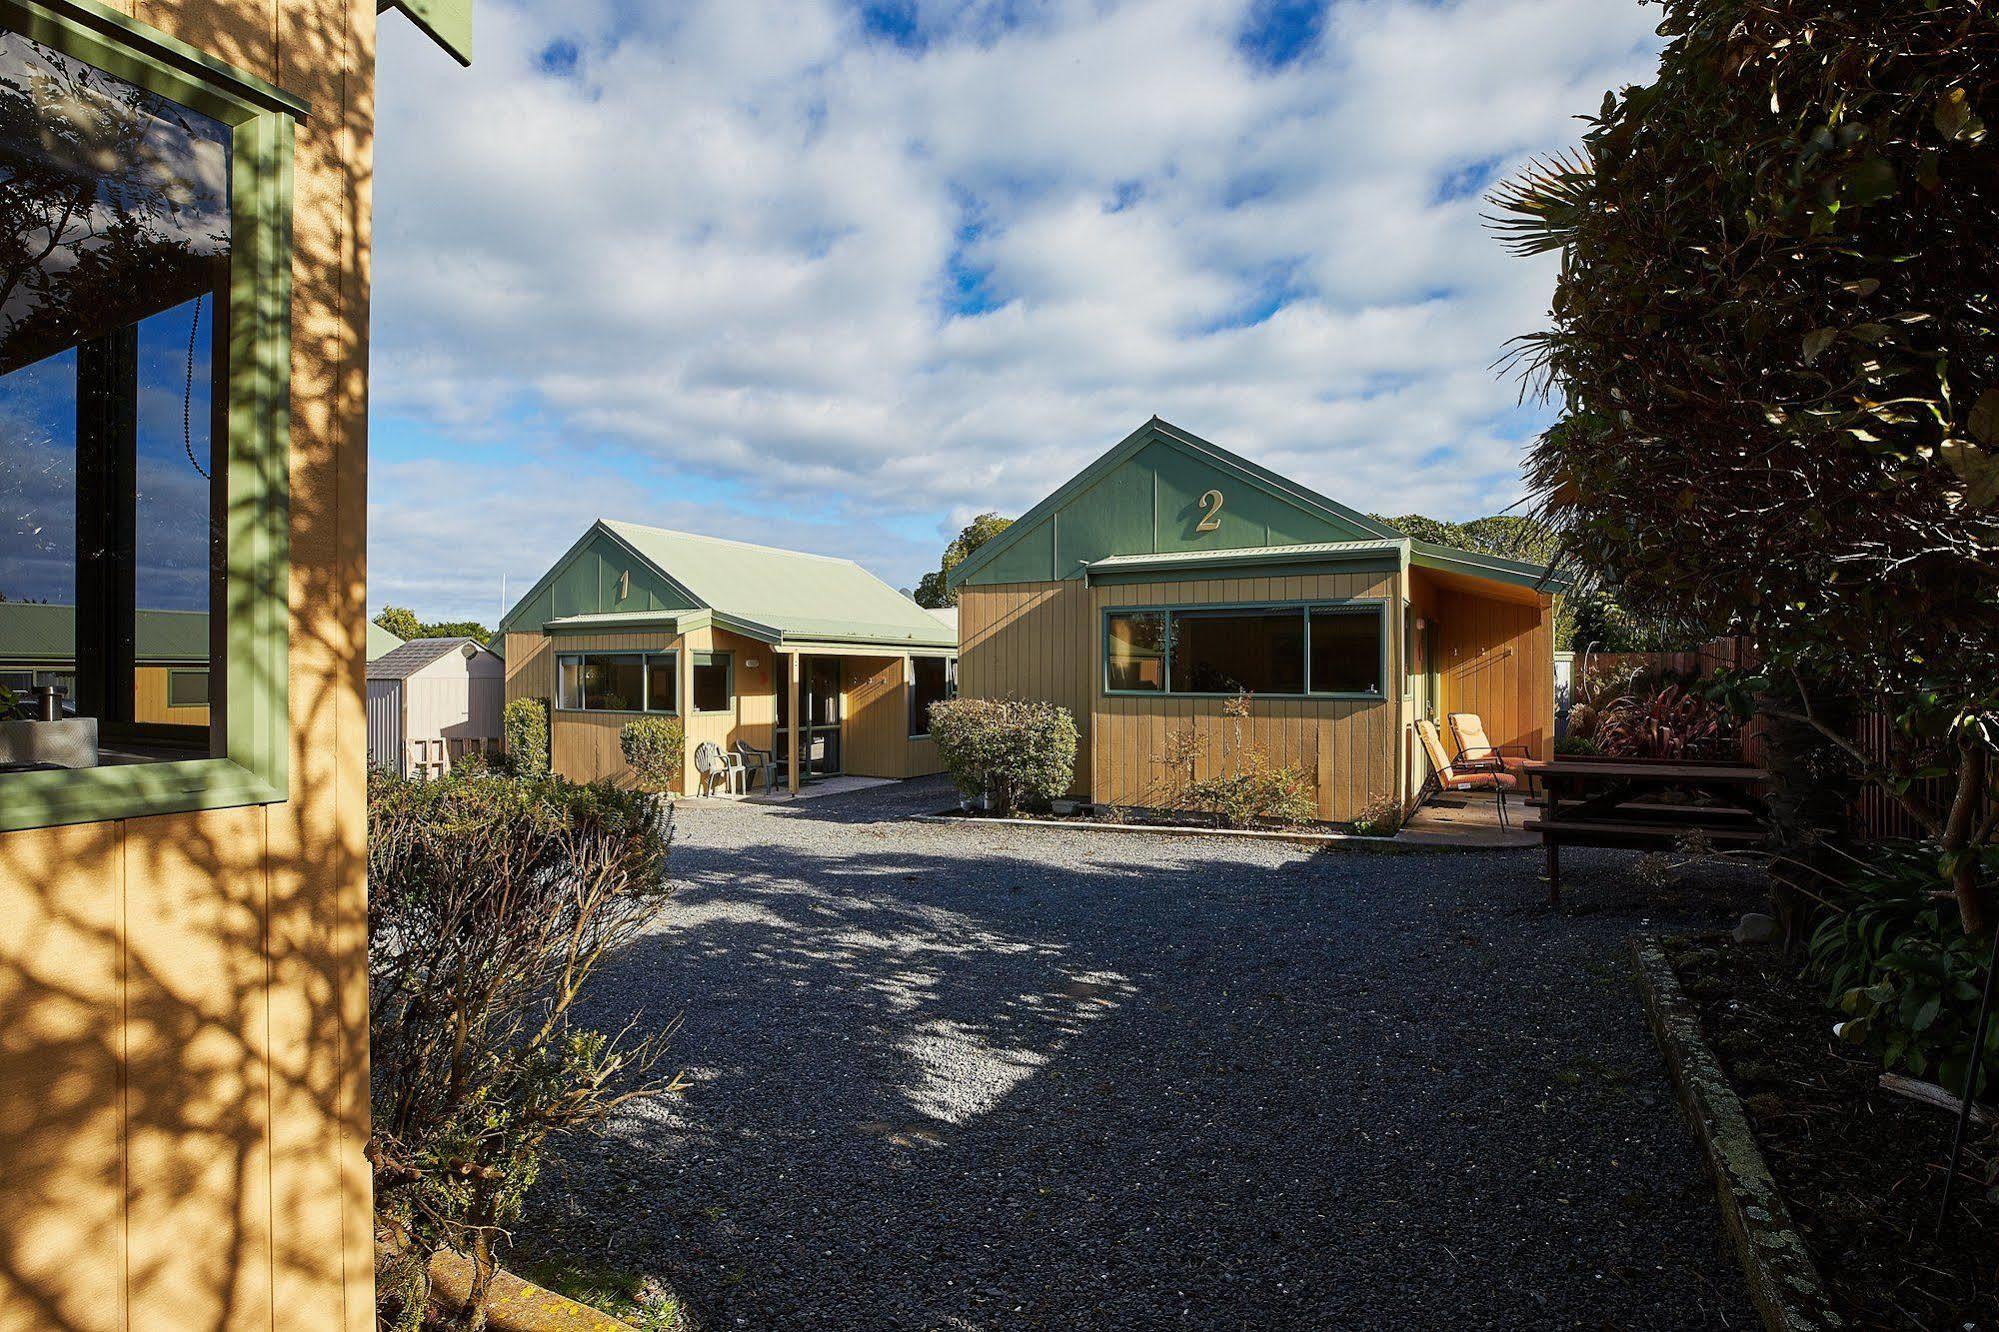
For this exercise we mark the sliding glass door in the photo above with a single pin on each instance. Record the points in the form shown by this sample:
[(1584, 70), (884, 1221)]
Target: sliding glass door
[(819, 706)]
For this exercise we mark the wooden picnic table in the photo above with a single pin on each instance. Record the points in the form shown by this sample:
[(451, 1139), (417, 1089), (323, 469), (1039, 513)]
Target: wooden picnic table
[(1617, 802)]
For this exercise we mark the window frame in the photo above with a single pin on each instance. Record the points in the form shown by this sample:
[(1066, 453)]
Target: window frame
[(1376, 606), (645, 656), (950, 692), (727, 661), (253, 732)]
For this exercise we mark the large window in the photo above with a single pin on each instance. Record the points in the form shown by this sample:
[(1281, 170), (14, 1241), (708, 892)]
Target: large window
[(1230, 651), (714, 688), (935, 679), (615, 682), (1283, 651), (144, 403)]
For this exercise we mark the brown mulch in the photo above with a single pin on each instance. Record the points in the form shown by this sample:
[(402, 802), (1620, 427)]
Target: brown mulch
[(1861, 1169)]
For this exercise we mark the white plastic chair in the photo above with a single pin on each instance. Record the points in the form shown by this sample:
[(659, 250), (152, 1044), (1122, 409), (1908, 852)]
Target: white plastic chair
[(717, 767)]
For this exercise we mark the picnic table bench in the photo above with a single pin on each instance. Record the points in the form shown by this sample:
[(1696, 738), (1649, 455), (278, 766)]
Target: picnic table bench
[(1617, 802)]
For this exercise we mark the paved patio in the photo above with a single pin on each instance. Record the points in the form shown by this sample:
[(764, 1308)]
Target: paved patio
[(951, 1076)]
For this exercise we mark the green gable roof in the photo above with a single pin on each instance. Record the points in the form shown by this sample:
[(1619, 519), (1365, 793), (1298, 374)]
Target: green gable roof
[(1136, 512), (446, 22), (628, 572), (1145, 497), (35, 634), (381, 642)]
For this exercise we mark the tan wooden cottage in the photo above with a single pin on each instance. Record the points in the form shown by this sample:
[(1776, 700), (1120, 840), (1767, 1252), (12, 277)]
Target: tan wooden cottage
[(183, 907), (1170, 575), (806, 657)]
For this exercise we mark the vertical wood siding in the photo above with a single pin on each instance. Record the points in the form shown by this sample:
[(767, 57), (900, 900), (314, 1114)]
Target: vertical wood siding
[(583, 746), (1346, 747), (183, 999), (1041, 640), (1497, 660), (1032, 640)]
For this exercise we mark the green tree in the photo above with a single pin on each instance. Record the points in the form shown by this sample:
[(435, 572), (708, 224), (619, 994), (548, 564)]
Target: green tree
[(400, 621), (471, 629), (403, 623), (1775, 350), (934, 591)]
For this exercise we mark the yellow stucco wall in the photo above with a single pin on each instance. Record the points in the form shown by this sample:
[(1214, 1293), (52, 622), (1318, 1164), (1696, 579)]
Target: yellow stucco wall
[(183, 1000)]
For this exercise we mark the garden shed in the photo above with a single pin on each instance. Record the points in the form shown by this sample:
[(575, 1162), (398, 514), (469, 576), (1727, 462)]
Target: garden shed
[(431, 701), (1170, 575), (806, 657)]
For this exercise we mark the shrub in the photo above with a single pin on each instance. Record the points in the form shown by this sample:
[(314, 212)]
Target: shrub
[(524, 726), (1577, 744), (1671, 723), (654, 748), (1901, 969), (1012, 751), (1248, 790), (1379, 817), (492, 899)]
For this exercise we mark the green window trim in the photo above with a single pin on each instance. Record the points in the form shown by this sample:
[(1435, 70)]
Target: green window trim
[(253, 767), (726, 661), (1375, 606)]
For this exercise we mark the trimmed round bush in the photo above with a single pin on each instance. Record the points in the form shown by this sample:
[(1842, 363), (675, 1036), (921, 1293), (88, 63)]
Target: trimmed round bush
[(1011, 751), (654, 747), (524, 729)]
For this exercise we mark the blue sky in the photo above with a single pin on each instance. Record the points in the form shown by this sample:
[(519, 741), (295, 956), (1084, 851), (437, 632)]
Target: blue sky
[(840, 275)]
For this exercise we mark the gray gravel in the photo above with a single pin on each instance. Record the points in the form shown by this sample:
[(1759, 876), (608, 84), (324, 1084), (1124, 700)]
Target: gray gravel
[(970, 1078)]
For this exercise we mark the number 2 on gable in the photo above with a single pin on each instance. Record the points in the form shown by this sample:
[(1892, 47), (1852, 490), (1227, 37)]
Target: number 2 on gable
[(1211, 512)]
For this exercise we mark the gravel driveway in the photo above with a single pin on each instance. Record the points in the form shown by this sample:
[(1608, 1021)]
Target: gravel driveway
[(992, 1078)]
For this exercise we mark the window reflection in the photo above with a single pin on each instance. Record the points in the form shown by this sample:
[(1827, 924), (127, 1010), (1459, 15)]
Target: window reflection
[(114, 270)]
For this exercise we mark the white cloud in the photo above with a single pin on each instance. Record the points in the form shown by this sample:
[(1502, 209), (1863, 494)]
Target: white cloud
[(727, 247)]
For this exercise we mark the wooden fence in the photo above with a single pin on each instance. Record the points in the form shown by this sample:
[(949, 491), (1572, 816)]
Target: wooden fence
[(1875, 813)]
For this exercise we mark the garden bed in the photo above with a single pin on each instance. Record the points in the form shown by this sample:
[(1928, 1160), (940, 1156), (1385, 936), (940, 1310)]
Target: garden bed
[(1860, 1168)]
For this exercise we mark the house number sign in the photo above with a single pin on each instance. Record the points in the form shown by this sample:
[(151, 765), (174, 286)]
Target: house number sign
[(1211, 512)]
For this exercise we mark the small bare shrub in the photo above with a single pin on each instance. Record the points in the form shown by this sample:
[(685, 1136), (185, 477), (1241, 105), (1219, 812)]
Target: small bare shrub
[(1379, 817), (1248, 790), (492, 900)]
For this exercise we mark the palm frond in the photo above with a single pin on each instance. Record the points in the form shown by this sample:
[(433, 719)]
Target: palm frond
[(1538, 210)]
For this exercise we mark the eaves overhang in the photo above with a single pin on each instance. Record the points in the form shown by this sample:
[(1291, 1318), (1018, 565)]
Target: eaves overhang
[(1382, 556)]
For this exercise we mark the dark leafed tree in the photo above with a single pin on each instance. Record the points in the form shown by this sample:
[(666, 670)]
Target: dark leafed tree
[(1773, 347), (933, 591)]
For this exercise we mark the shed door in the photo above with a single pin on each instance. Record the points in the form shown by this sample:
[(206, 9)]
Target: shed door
[(385, 725)]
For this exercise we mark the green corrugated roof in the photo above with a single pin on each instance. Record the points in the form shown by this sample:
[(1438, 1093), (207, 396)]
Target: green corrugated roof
[(35, 633), (790, 593), (381, 642), (446, 22)]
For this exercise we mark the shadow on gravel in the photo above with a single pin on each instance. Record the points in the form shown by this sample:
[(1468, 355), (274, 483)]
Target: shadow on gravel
[(956, 1080)]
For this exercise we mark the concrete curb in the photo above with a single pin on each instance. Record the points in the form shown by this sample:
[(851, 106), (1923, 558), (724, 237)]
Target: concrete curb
[(513, 1304), (1783, 1281), (1168, 831), (1346, 841)]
